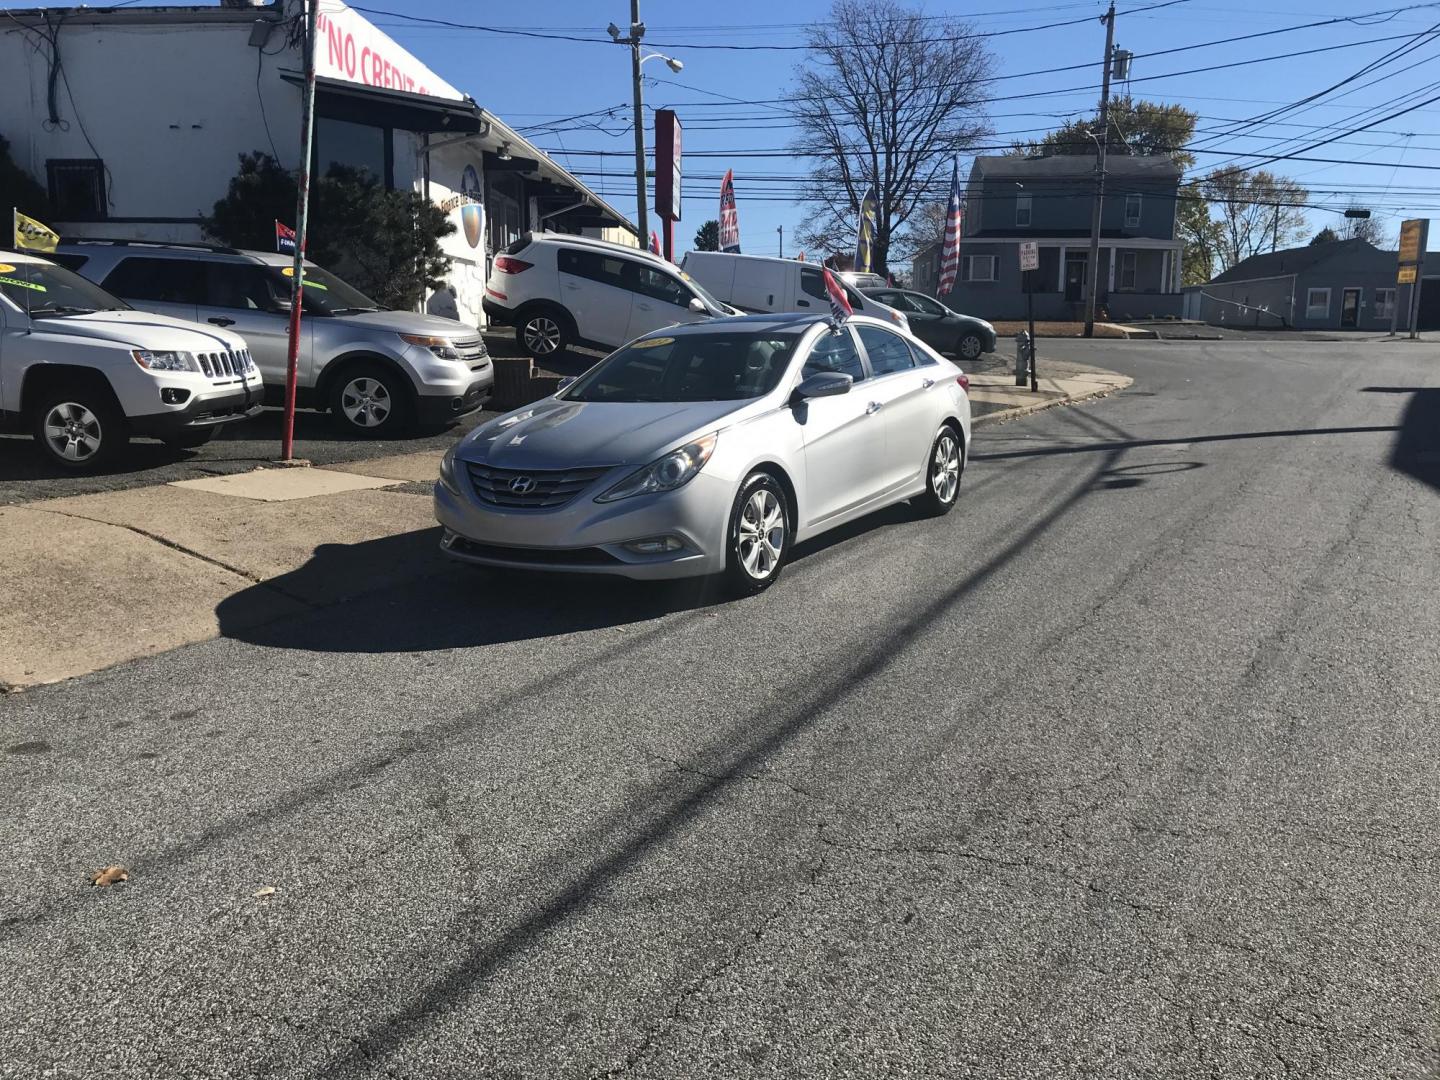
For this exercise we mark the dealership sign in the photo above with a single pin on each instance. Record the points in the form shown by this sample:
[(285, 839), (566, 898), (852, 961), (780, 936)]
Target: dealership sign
[(667, 164), (351, 48)]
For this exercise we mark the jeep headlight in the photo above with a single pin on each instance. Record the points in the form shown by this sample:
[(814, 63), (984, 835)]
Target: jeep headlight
[(164, 361), (674, 470), (444, 348)]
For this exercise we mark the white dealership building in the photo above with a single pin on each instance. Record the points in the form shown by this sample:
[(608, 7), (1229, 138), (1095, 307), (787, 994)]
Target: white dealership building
[(135, 118)]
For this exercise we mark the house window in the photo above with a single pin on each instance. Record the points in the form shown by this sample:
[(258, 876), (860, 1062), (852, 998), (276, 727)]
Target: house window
[(1127, 270), (979, 267), (1384, 303), (77, 188), (1317, 303), (1132, 211), (1022, 211)]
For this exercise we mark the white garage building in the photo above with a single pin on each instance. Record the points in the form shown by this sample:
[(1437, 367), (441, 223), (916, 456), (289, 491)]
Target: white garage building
[(134, 119)]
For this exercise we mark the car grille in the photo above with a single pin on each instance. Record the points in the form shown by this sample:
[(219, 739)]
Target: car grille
[(591, 556), (226, 365), (473, 352), (547, 489)]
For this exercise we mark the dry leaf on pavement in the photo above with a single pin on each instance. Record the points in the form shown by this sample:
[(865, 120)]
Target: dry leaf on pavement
[(265, 890), (111, 875)]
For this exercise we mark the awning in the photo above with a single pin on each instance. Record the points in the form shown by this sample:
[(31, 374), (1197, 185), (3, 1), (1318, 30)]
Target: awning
[(336, 99)]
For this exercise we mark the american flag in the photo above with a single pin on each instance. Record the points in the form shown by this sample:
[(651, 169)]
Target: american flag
[(840, 307), (950, 246), (654, 242)]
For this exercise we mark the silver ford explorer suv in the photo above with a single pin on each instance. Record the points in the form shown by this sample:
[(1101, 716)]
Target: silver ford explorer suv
[(379, 372)]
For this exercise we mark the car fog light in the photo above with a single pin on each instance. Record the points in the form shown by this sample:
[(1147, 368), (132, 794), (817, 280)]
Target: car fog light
[(655, 545), (174, 396)]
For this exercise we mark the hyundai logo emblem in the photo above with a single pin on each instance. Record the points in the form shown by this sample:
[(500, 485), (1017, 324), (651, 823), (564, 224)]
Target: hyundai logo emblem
[(522, 485)]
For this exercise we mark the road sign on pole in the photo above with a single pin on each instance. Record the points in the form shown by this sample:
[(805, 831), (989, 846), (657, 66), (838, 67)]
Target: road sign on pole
[(1414, 238), (1029, 255)]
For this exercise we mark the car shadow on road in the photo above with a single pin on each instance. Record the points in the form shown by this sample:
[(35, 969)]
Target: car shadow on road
[(1416, 450), (21, 459)]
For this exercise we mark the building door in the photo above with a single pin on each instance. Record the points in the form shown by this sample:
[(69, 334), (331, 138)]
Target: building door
[(1075, 276), (1349, 309)]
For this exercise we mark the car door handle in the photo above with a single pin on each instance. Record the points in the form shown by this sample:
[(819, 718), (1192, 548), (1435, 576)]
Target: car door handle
[(873, 407), (222, 322), (802, 303), (926, 384), (643, 307)]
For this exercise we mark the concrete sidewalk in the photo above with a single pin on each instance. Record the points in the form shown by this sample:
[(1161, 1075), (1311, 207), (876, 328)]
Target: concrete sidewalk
[(95, 580)]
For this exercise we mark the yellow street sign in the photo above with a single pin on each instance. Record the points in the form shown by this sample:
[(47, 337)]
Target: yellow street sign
[(1410, 240), (1406, 276)]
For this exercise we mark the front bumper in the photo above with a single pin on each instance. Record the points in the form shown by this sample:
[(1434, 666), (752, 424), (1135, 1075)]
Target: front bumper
[(201, 412), (586, 537), (440, 408)]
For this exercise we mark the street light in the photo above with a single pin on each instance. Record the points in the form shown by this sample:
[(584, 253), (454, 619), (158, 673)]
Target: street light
[(637, 32)]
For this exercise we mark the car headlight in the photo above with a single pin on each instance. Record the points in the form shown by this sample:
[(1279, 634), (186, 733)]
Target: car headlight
[(674, 470), (444, 348), (447, 473), (164, 361)]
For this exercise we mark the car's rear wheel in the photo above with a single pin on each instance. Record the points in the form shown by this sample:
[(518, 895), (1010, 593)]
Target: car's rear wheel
[(81, 430), (969, 347), (372, 401), (759, 535), (943, 469), (543, 332)]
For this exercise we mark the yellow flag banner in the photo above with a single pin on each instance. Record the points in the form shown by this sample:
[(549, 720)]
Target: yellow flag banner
[(32, 235)]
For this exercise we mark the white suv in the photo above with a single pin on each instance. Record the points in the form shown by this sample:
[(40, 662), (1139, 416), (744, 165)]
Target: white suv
[(83, 371), (559, 290)]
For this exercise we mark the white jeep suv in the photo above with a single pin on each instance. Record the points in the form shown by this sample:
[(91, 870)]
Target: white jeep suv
[(559, 290)]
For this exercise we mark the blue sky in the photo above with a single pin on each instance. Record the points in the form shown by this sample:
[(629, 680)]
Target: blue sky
[(535, 83)]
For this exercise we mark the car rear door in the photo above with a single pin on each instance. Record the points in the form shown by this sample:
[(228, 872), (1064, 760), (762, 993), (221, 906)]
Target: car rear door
[(908, 403), (843, 435), (154, 283), (594, 289), (660, 300), (250, 300)]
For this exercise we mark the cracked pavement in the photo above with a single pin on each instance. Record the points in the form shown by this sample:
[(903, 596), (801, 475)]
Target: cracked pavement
[(1127, 768)]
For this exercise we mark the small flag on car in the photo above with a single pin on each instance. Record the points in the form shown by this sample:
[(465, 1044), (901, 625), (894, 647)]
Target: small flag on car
[(33, 236), (654, 242), (284, 238), (840, 308)]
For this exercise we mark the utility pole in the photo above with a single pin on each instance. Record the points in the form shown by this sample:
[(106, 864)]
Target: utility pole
[(1093, 266), (781, 230), (1275, 235), (637, 31), (302, 222)]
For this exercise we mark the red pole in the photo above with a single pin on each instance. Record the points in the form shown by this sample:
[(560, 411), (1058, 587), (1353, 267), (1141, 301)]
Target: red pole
[(669, 239), (302, 221)]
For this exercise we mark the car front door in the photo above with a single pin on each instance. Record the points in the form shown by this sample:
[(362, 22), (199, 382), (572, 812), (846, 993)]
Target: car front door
[(594, 289), (152, 283), (907, 402), (929, 320), (249, 300), (660, 300), (843, 435)]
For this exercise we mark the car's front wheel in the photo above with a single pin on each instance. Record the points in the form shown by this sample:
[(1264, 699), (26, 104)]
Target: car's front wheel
[(81, 429), (969, 347), (372, 401), (943, 469), (759, 535)]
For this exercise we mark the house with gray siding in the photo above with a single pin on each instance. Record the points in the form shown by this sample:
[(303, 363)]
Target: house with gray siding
[(1342, 285), (1049, 200)]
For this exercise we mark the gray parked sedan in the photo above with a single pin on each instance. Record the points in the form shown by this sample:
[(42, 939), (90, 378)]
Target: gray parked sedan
[(711, 448), (937, 325)]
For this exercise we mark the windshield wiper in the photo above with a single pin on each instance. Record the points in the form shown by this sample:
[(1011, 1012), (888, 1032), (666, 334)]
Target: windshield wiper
[(352, 310), (62, 309)]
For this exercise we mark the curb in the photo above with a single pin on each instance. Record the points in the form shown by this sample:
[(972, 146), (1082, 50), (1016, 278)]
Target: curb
[(1040, 406)]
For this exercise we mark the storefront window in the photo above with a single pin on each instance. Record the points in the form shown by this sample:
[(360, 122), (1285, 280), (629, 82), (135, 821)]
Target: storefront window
[(356, 146)]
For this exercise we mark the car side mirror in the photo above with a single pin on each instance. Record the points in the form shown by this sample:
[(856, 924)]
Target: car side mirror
[(698, 306), (823, 384)]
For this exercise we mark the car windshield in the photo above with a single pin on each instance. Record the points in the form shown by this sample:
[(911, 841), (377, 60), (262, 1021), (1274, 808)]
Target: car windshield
[(705, 293), (48, 291), (327, 294), (689, 367)]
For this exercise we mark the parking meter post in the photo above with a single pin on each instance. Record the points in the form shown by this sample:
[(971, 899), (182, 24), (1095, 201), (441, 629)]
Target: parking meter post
[(1030, 314), (1022, 357)]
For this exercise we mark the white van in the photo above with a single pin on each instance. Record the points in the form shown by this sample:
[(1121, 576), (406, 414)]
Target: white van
[(759, 283)]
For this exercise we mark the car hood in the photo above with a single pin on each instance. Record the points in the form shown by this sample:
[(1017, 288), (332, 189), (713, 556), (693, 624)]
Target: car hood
[(142, 330), (558, 434), (409, 322)]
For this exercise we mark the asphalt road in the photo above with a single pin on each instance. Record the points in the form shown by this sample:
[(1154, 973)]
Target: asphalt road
[(1127, 768)]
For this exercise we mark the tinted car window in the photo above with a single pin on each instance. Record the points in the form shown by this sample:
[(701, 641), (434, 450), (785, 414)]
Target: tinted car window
[(835, 352), (248, 288), (70, 262), (812, 282), (593, 265), (688, 367), (925, 305), (165, 281), (659, 285), (888, 352)]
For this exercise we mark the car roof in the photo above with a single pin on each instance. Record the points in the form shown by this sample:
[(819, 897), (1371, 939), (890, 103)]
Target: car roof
[(790, 321), (11, 255), (85, 245), (601, 245)]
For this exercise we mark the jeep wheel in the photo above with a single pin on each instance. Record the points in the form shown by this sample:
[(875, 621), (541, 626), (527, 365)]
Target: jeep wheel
[(80, 429)]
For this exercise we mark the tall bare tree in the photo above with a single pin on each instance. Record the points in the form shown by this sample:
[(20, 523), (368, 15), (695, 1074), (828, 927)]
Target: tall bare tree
[(1257, 211), (886, 97)]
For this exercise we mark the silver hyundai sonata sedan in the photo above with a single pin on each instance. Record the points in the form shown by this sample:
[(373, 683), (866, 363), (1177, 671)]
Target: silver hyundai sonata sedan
[(711, 448)]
